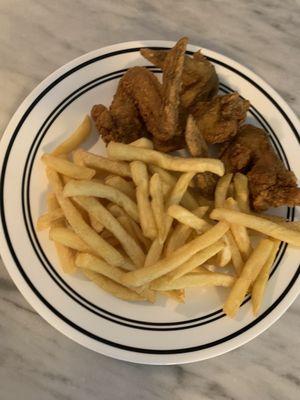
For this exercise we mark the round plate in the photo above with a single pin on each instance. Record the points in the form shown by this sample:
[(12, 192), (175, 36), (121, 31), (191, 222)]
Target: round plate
[(164, 333)]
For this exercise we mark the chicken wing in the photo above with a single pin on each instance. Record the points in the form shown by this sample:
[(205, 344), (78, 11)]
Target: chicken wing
[(270, 183), (220, 118)]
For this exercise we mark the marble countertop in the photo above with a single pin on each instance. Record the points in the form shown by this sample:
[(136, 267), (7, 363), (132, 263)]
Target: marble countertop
[(38, 36)]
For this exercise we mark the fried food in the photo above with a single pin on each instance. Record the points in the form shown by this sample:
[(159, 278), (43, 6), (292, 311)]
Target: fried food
[(219, 119), (143, 87), (171, 88), (270, 183), (198, 147), (121, 122), (199, 79)]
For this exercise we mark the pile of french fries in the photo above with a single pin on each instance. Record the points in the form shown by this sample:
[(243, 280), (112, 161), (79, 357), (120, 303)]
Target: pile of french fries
[(134, 224)]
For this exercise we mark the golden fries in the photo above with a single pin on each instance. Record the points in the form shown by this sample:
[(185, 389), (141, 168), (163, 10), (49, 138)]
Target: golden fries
[(154, 253), (168, 264), (195, 261), (65, 255), (259, 285), (188, 200), (67, 168), (196, 280), (143, 143), (73, 141), (45, 220), (236, 257), (98, 189), (83, 230), (239, 231), (176, 196), (121, 184), (240, 182), (248, 275), (141, 179), (95, 224), (258, 224), (188, 218), (157, 204), (120, 151), (94, 208), (67, 237), (222, 189), (178, 237), (103, 164), (151, 233), (112, 287)]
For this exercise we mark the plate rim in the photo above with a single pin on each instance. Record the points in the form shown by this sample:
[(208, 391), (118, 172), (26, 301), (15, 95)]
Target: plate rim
[(30, 296)]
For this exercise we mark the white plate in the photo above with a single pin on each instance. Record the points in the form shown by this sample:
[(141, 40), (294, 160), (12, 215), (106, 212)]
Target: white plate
[(165, 333)]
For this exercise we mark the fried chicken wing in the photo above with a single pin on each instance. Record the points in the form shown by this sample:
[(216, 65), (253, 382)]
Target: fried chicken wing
[(199, 79), (171, 88), (145, 90), (135, 109), (220, 118), (270, 183)]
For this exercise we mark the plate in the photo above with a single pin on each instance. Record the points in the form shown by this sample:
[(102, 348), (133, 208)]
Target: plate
[(164, 333)]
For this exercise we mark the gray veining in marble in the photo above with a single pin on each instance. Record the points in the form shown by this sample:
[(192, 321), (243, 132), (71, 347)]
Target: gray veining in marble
[(36, 37)]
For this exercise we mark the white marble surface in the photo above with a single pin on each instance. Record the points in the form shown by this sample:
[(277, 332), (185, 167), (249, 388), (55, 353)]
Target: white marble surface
[(36, 37)]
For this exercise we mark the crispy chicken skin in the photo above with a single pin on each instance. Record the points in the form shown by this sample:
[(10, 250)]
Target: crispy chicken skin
[(171, 89), (136, 106), (199, 79), (270, 183), (220, 118), (145, 90)]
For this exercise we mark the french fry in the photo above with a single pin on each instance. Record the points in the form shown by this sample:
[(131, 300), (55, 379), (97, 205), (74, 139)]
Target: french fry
[(80, 134), (178, 238), (67, 168), (66, 256), (248, 275), (95, 264), (168, 264), (98, 189), (157, 204), (141, 179), (222, 189), (154, 253), (241, 189), (239, 231), (295, 225), (96, 209), (83, 230), (95, 224), (182, 232), (195, 261), (188, 200), (236, 257), (196, 280), (126, 152), (45, 220), (177, 295), (224, 256), (176, 196), (258, 224), (67, 237), (186, 217), (103, 164), (259, 285), (121, 184), (112, 287), (143, 143)]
